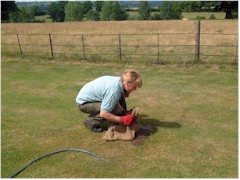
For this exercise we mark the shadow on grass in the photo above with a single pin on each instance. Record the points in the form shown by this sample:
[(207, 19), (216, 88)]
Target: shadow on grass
[(155, 122), (149, 127)]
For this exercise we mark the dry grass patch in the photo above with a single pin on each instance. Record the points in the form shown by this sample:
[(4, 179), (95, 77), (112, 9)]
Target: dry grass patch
[(121, 27)]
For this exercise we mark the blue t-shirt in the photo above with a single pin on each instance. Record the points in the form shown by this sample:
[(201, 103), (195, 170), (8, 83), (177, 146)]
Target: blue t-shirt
[(106, 89)]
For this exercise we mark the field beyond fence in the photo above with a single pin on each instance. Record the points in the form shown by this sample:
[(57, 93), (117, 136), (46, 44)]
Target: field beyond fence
[(189, 44)]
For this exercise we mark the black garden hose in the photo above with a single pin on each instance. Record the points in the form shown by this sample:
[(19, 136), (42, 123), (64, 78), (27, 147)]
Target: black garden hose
[(55, 152)]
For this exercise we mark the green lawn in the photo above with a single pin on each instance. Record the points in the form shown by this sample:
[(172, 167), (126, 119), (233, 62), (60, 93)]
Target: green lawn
[(206, 15), (45, 18), (195, 111)]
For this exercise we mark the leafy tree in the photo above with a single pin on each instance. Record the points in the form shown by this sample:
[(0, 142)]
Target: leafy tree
[(88, 5), (111, 10), (191, 6), (155, 16), (13, 16), (34, 10), (56, 11), (25, 14), (208, 6), (74, 11), (99, 5), (144, 10), (228, 7), (170, 10), (93, 15), (7, 7)]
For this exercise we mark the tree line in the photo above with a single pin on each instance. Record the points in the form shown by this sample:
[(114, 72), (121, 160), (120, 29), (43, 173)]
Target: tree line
[(63, 11)]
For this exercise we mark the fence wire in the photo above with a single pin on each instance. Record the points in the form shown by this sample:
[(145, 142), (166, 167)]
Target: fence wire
[(160, 47)]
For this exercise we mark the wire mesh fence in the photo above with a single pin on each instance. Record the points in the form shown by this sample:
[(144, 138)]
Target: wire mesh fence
[(159, 47)]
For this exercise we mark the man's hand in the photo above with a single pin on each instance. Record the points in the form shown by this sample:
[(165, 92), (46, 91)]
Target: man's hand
[(127, 120)]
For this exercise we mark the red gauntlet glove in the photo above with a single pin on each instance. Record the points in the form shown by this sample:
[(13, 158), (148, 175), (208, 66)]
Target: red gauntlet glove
[(127, 120)]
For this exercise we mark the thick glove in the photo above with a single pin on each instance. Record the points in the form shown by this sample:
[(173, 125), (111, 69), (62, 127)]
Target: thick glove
[(127, 120)]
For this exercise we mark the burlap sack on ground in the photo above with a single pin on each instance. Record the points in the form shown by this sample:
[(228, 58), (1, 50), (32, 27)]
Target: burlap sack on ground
[(122, 132)]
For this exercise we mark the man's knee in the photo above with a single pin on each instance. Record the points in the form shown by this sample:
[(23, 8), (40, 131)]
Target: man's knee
[(90, 108)]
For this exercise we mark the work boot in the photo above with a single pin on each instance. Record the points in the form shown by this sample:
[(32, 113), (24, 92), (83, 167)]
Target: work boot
[(92, 127)]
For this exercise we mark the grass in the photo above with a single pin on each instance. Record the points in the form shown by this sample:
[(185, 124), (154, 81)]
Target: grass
[(206, 15), (135, 15), (195, 110), (44, 18), (187, 15), (121, 27)]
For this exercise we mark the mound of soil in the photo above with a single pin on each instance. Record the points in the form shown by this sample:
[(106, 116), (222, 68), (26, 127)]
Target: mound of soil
[(143, 133)]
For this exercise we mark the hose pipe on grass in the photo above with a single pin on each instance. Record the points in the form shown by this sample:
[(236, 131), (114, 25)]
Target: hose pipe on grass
[(55, 152)]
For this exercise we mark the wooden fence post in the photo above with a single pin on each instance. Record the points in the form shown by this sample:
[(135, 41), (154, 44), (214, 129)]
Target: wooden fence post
[(83, 47), (197, 50), (236, 54), (158, 48), (19, 44), (120, 48), (51, 48)]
